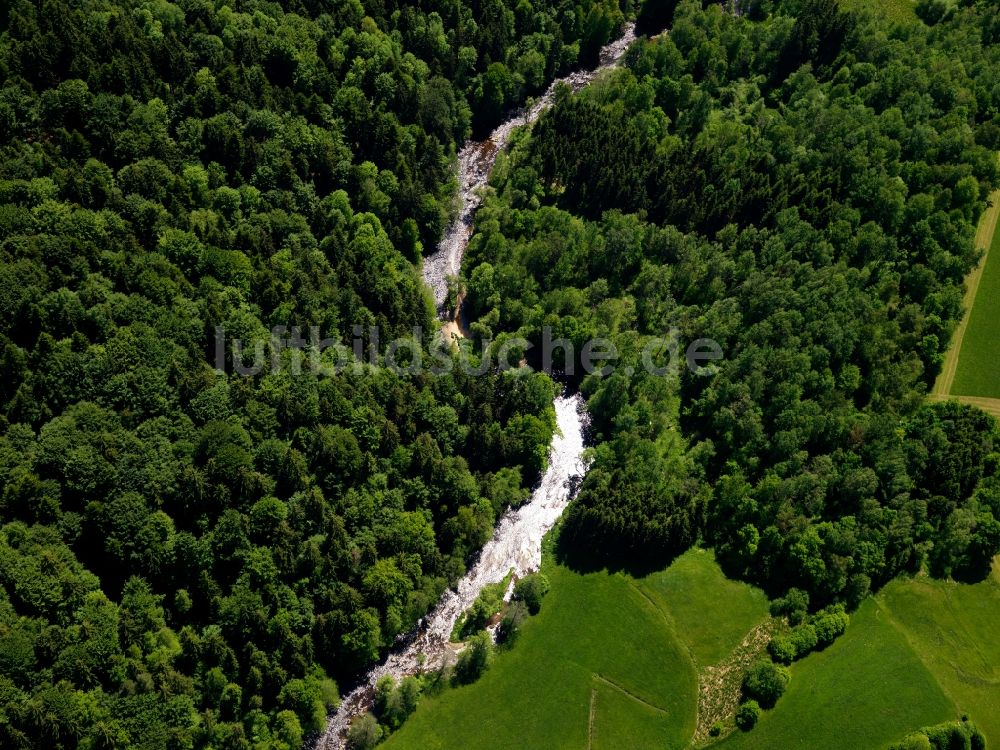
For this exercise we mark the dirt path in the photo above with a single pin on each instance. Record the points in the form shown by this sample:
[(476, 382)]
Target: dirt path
[(989, 405), (621, 689), (668, 618), (984, 239)]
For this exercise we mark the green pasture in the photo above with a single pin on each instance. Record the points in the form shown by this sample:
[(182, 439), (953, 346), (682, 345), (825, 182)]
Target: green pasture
[(955, 629), (978, 372), (597, 638), (865, 691)]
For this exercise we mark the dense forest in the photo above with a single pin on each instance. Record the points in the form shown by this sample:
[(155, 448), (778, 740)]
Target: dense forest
[(188, 557), (801, 185), (192, 558)]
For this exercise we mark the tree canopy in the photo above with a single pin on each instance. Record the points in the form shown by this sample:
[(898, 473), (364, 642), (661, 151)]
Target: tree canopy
[(191, 557), (801, 185)]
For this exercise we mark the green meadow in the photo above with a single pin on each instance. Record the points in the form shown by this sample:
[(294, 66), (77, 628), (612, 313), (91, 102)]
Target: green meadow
[(921, 652), (865, 691), (613, 662), (610, 662), (620, 721), (978, 372), (955, 629), (711, 613), (596, 633)]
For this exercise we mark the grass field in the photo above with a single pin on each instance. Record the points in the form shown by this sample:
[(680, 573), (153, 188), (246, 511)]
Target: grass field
[(596, 640), (897, 10), (954, 628), (620, 721), (603, 665), (613, 662), (866, 690), (711, 613), (971, 368), (978, 371)]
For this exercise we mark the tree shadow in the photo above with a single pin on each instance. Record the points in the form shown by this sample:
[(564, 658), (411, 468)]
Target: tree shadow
[(974, 570), (582, 553)]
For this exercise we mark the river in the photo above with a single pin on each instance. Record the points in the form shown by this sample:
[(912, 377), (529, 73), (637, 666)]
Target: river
[(516, 545), (476, 160), (517, 540)]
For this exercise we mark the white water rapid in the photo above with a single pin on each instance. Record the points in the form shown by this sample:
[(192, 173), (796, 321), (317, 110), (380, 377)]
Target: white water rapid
[(517, 540), (516, 545), (476, 160)]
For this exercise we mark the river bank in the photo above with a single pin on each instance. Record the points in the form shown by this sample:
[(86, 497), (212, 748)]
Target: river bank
[(517, 540), (516, 546), (476, 159)]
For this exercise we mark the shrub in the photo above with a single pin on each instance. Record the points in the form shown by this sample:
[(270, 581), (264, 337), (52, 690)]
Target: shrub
[(782, 650), (395, 702), (436, 681), (952, 735), (747, 715), (510, 625), (804, 638), (383, 691), (410, 689), (765, 683), (478, 616), (530, 590), (830, 624), (913, 742), (715, 730), (794, 605), (474, 660), (364, 734)]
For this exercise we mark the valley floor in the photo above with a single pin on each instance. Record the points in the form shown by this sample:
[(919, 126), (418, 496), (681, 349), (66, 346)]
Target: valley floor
[(614, 661), (611, 661), (971, 369)]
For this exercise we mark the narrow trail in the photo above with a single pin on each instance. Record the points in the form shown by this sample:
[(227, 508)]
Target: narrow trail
[(625, 691), (984, 239), (590, 723), (668, 618)]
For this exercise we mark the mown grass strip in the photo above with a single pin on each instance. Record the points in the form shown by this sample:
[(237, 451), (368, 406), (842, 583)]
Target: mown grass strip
[(977, 372)]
